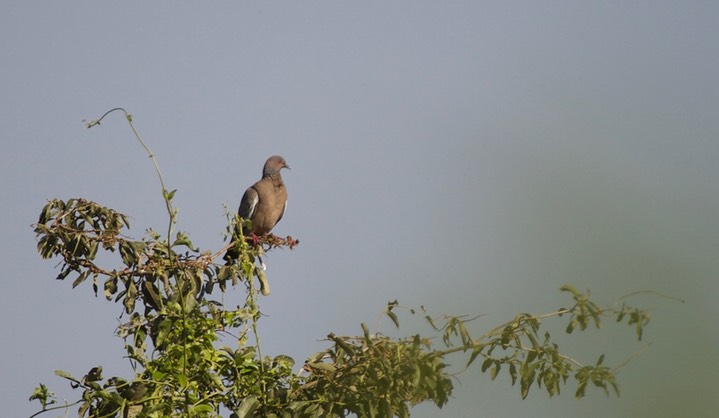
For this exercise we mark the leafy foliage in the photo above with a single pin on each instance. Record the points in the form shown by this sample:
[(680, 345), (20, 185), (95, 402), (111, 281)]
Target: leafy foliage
[(173, 327), (172, 334)]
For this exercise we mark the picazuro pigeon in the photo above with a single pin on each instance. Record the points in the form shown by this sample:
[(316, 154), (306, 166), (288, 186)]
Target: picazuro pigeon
[(263, 203)]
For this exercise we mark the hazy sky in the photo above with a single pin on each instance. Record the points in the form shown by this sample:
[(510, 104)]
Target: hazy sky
[(470, 157)]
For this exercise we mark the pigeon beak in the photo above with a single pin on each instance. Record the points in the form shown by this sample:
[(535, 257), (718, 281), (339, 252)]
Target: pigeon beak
[(286, 166)]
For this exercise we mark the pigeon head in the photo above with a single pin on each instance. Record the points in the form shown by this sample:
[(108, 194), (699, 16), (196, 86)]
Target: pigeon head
[(273, 165)]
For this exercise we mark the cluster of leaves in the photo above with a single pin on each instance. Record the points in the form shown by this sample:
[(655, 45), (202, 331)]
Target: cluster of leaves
[(166, 295), (180, 368), (373, 376)]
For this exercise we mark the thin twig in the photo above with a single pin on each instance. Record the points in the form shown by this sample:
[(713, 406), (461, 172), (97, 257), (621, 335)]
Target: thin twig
[(67, 405), (651, 292)]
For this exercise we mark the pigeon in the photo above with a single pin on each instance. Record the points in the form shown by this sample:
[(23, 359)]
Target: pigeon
[(263, 203)]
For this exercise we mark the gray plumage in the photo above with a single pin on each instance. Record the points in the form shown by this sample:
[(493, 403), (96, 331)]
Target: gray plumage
[(263, 203)]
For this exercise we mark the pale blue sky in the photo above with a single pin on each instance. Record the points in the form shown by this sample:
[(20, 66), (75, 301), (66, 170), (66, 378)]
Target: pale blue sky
[(467, 156)]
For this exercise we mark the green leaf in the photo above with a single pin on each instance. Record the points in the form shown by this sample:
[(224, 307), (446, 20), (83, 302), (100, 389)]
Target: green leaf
[(169, 195), (495, 370), (365, 332), (323, 366), (466, 339), (110, 287), (513, 372), (344, 346), (393, 317), (486, 364), (247, 407), (533, 341), (431, 322), (94, 374), (224, 273), (45, 214), (531, 355), (130, 296), (93, 246), (81, 278), (581, 389), (128, 254), (285, 361), (264, 283), (164, 329), (550, 383), (569, 288), (43, 395), (151, 296), (475, 352), (524, 388), (181, 379), (202, 408), (527, 374), (64, 273), (83, 408), (594, 311), (66, 375), (183, 238)]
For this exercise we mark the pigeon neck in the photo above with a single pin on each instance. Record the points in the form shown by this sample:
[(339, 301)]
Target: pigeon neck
[(272, 175)]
